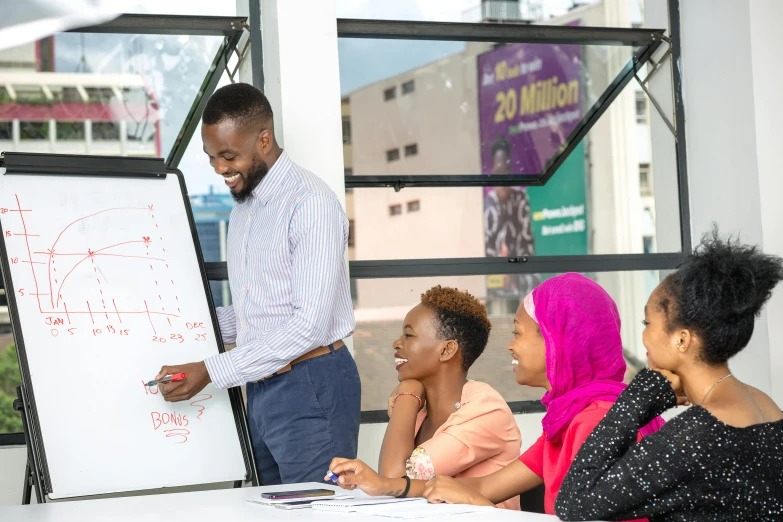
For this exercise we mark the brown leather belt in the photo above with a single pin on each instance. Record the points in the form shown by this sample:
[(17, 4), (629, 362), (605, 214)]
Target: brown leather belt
[(321, 350)]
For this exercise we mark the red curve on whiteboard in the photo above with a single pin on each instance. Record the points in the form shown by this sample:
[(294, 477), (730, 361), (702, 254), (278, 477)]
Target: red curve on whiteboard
[(199, 406), (170, 433), (49, 271), (85, 258)]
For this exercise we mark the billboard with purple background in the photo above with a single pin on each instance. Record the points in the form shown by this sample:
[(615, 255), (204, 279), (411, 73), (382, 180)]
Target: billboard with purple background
[(530, 99)]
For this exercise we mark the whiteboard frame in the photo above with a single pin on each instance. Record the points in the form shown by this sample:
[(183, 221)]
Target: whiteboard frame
[(103, 166)]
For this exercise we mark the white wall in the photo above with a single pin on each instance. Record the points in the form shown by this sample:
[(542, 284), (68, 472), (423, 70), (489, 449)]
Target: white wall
[(12, 462), (730, 69), (766, 38)]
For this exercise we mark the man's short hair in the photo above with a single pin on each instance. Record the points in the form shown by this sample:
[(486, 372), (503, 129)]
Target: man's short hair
[(240, 103)]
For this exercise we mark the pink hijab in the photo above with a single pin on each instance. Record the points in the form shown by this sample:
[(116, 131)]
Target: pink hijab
[(584, 354)]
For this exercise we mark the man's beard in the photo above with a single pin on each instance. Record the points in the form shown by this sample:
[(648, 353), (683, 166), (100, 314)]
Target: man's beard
[(254, 176)]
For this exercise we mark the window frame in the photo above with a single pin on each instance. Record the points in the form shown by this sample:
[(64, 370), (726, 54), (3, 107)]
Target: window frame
[(641, 118), (346, 127), (649, 40)]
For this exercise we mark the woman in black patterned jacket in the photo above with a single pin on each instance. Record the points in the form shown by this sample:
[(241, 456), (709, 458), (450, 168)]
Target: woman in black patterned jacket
[(722, 459)]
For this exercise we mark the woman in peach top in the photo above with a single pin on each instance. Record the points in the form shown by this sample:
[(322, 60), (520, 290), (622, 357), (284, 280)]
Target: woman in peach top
[(466, 428)]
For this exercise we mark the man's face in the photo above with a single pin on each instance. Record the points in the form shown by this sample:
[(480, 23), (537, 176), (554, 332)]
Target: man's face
[(501, 164), (237, 155)]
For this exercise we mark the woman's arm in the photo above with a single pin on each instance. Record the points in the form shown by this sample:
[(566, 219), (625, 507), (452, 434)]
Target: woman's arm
[(513, 480), (353, 474), (613, 476), (399, 440)]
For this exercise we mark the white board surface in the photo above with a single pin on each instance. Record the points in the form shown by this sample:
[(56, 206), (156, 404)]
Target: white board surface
[(108, 289)]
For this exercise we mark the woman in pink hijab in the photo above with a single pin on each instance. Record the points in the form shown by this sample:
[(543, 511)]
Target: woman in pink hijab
[(567, 341)]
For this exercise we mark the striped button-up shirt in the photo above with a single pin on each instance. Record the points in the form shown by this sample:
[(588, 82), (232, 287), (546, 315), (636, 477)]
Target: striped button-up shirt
[(286, 269)]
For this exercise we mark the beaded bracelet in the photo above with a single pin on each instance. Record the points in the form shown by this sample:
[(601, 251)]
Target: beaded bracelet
[(421, 403)]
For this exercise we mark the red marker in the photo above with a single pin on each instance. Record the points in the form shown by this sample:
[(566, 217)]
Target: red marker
[(171, 378)]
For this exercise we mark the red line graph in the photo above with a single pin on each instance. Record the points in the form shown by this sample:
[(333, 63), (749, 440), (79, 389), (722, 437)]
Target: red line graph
[(52, 255), (52, 249), (85, 258)]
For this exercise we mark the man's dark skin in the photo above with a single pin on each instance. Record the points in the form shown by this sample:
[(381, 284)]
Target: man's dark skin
[(232, 149)]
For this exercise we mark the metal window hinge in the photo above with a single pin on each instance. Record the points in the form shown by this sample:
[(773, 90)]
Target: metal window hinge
[(241, 55), (643, 84)]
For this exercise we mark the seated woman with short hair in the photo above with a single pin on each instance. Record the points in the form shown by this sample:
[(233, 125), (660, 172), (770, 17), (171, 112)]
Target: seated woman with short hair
[(722, 459), (439, 421)]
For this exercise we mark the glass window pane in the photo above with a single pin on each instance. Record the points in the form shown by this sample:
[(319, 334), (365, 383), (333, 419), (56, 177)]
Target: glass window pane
[(211, 212), (128, 93), (472, 106), (70, 130), (602, 184), (380, 305), (10, 420)]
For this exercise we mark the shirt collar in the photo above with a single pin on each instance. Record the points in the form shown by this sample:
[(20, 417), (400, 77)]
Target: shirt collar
[(271, 182)]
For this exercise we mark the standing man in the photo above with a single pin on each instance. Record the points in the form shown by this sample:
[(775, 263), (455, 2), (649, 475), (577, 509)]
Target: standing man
[(292, 304)]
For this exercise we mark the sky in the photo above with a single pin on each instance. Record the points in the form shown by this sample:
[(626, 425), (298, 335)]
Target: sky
[(177, 75)]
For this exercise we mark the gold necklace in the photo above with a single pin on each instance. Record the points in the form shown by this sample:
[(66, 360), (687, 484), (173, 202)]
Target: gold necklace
[(713, 386)]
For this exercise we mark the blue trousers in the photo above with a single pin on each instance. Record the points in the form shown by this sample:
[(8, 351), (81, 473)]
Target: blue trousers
[(303, 418)]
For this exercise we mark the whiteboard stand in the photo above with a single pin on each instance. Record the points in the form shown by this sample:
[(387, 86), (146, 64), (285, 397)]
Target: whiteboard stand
[(223, 454), (32, 472)]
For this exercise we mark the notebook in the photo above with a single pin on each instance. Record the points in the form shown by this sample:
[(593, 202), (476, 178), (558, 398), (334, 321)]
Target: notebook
[(349, 505), (416, 510)]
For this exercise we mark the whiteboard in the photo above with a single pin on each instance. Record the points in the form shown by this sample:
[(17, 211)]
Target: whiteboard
[(108, 288)]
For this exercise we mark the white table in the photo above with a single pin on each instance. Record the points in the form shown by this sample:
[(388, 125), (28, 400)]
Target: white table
[(223, 505)]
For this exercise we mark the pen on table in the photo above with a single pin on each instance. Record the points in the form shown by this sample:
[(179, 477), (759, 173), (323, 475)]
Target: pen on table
[(170, 378)]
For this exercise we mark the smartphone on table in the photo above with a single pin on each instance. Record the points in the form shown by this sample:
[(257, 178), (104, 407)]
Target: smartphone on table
[(304, 493)]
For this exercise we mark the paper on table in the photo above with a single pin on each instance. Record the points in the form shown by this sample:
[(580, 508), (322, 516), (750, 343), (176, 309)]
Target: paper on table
[(419, 510), (271, 501), (352, 505)]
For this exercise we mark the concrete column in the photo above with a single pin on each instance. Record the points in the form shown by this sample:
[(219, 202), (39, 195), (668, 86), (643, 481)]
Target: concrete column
[(52, 135), (88, 135), (16, 134)]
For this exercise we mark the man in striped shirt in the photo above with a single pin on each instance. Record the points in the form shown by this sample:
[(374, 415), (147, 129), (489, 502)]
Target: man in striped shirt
[(292, 303)]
